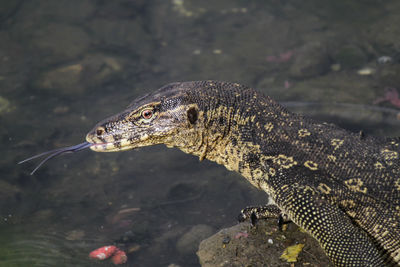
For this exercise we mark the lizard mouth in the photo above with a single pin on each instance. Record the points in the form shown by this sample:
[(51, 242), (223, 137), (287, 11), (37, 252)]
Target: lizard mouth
[(111, 146), (108, 143)]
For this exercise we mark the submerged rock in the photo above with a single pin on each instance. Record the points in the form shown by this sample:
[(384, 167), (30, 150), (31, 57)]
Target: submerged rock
[(8, 190), (310, 60), (75, 234), (5, 105), (60, 42), (74, 78), (60, 10), (350, 57), (190, 241)]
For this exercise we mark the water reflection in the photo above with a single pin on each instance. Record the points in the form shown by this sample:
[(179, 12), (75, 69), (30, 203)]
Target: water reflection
[(68, 64)]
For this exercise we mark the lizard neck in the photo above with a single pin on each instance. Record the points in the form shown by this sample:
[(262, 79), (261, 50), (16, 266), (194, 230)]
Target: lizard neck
[(238, 134)]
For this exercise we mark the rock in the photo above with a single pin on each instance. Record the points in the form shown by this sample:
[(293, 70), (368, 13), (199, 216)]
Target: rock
[(65, 79), (8, 190), (190, 241), (350, 57), (389, 75), (334, 86), (120, 9), (14, 64), (258, 246), (42, 215), (60, 42), (384, 34), (126, 33), (5, 106), (75, 78), (7, 8), (60, 10), (75, 235), (310, 60)]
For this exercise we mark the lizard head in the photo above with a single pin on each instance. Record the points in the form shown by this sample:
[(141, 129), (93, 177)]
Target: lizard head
[(168, 116)]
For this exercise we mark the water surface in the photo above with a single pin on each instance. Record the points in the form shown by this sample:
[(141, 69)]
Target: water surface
[(67, 64)]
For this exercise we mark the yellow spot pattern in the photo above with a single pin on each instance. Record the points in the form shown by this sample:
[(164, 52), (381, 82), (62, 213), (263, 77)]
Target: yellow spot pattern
[(324, 188), (397, 183), (336, 143), (272, 171), (311, 165), (356, 184), (389, 154), (303, 133), (269, 126), (379, 166), (348, 203), (332, 158), (283, 161)]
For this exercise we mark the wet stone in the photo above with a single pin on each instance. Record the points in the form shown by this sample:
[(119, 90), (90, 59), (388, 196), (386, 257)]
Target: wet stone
[(7, 8), (385, 34), (263, 246), (60, 10), (60, 42), (42, 215), (350, 57), (8, 190), (75, 235), (226, 240), (389, 76), (190, 241), (75, 78), (128, 33), (310, 60), (5, 106)]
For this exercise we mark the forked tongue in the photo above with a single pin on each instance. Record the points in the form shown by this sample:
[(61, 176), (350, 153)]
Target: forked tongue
[(56, 152)]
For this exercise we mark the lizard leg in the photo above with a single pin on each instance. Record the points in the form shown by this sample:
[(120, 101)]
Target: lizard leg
[(343, 240), (255, 213)]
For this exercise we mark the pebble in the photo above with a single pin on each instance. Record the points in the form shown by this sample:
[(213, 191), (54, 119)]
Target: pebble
[(103, 252), (60, 42), (226, 240), (384, 59), (310, 60), (5, 105), (61, 110), (119, 257), (366, 71), (75, 235), (335, 67)]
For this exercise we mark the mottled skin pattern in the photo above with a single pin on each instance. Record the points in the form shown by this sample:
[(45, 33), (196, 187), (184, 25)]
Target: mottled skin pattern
[(342, 188)]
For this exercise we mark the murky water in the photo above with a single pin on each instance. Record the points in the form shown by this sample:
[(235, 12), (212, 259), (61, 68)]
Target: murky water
[(67, 64)]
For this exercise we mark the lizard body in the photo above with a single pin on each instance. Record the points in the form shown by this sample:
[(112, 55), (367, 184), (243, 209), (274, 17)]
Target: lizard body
[(342, 188)]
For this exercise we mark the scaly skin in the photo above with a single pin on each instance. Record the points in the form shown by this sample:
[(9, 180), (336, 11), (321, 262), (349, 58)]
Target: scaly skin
[(342, 188)]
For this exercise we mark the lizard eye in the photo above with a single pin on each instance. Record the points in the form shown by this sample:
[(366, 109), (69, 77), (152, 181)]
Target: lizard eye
[(147, 114)]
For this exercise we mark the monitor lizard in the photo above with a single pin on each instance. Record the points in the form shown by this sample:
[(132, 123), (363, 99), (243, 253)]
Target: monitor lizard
[(343, 188)]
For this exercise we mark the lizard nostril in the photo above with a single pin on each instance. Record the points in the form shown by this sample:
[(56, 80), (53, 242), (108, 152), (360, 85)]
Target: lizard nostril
[(100, 131)]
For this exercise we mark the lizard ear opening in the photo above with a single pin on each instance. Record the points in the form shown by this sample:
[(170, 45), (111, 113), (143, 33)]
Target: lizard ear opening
[(192, 115)]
